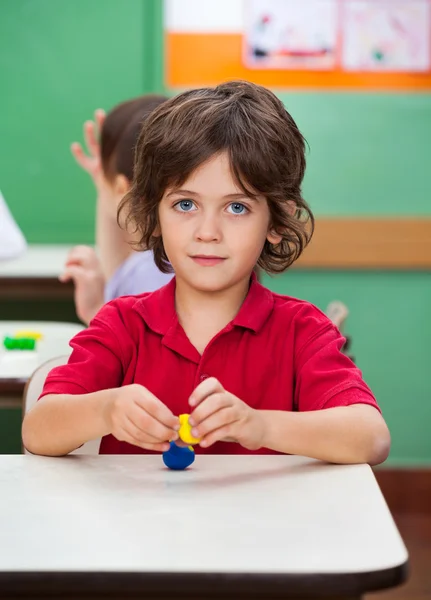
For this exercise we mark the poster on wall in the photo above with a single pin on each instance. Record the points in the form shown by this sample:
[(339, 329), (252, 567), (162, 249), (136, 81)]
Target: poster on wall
[(287, 34), (300, 44), (386, 35)]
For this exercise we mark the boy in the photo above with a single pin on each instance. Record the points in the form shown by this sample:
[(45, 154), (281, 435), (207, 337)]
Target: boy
[(216, 190), (117, 270)]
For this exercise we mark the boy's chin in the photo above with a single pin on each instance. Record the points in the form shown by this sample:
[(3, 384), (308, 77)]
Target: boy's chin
[(212, 282)]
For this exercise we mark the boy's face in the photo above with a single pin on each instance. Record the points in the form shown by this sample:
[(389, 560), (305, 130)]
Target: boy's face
[(212, 233)]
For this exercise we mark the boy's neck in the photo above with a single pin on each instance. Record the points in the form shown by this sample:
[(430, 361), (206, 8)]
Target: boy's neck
[(203, 314)]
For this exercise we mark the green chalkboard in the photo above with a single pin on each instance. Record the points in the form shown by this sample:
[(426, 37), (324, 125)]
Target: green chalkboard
[(58, 62), (370, 154), (390, 327)]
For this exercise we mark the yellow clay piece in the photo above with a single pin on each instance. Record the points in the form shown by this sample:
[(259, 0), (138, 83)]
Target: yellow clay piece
[(33, 335), (185, 431)]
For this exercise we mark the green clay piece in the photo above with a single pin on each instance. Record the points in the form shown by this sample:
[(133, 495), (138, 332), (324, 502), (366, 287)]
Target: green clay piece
[(13, 343)]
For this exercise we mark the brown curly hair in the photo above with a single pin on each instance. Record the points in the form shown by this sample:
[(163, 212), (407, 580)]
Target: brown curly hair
[(266, 152)]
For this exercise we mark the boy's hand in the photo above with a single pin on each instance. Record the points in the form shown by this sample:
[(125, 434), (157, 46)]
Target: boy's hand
[(91, 161), (136, 416), (219, 415), (84, 268)]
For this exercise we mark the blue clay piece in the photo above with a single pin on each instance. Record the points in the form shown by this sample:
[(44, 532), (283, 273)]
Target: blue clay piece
[(178, 458)]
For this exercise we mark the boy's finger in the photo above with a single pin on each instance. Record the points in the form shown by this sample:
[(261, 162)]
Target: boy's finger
[(72, 262), (90, 138), (80, 254), (79, 155), (73, 257), (143, 434), (151, 404), (222, 418), (99, 117), (146, 426), (205, 389), (130, 439), (160, 447), (74, 272), (218, 435), (80, 248), (212, 404)]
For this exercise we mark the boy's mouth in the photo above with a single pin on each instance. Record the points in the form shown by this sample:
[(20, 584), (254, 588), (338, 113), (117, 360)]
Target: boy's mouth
[(207, 260)]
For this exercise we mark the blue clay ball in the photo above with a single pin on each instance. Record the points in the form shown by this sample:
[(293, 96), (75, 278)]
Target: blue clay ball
[(178, 458)]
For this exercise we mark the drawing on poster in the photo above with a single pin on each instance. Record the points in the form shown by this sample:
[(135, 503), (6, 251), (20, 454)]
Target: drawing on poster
[(290, 34), (386, 35)]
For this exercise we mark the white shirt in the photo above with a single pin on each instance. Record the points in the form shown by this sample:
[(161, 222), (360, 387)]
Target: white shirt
[(12, 241), (136, 275)]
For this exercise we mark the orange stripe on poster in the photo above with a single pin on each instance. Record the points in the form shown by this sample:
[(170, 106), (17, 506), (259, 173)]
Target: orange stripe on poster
[(208, 59)]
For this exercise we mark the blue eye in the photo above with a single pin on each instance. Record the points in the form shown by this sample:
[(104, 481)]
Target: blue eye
[(237, 208), (184, 206)]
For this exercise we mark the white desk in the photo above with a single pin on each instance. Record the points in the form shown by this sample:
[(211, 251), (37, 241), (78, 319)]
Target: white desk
[(40, 260), (35, 273), (229, 527), (16, 366)]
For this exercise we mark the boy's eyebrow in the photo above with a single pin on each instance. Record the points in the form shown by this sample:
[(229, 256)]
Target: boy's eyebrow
[(228, 196)]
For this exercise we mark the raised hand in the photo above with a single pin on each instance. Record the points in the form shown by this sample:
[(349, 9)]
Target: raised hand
[(89, 159)]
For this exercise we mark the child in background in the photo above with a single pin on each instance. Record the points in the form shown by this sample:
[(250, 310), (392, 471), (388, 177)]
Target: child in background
[(117, 270), (216, 190)]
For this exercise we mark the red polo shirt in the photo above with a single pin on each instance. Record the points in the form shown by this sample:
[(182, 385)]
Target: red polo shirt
[(279, 353)]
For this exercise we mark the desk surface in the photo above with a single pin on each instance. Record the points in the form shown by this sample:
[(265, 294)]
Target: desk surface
[(278, 521), (16, 366), (35, 274), (40, 261)]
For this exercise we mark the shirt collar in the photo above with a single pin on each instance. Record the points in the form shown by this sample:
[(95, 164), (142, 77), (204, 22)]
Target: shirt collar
[(158, 308), (256, 308)]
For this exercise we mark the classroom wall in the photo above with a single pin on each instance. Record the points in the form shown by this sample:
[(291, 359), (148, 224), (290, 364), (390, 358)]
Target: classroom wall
[(58, 62), (369, 155)]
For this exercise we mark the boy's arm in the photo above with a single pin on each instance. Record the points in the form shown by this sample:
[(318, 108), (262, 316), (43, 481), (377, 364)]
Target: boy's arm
[(345, 434), (84, 269), (111, 240), (76, 396), (354, 433), (87, 399), (58, 424), (335, 417)]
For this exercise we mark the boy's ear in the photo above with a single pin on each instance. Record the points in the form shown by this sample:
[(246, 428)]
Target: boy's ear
[(121, 185), (273, 237)]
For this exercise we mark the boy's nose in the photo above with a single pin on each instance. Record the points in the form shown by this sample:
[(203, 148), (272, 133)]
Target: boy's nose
[(208, 229)]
